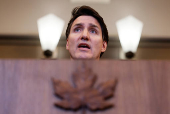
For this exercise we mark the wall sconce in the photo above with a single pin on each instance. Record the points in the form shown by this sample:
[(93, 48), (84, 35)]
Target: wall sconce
[(50, 28), (129, 31)]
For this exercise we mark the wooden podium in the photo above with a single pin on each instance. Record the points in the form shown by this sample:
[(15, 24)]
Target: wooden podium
[(26, 87)]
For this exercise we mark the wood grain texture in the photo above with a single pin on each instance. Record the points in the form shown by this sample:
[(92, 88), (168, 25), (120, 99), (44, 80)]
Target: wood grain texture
[(26, 86)]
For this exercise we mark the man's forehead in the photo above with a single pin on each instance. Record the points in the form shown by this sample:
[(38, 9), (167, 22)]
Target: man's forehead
[(83, 24), (86, 20)]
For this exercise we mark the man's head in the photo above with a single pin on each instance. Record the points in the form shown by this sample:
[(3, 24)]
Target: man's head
[(86, 34)]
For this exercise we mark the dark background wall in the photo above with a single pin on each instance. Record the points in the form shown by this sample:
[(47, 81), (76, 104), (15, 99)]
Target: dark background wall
[(28, 47)]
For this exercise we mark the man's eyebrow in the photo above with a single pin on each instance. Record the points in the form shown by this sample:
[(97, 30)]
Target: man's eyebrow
[(81, 24), (93, 25), (78, 24)]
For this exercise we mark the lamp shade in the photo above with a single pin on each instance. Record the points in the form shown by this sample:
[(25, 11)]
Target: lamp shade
[(50, 28), (129, 31)]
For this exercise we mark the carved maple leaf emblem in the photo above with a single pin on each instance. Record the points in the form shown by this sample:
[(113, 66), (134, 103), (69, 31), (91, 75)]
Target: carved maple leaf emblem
[(83, 94)]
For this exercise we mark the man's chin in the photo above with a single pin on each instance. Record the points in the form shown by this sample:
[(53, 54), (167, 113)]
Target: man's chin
[(83, 56)]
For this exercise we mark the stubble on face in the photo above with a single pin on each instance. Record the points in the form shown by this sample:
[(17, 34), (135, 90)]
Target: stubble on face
[(85, 39)]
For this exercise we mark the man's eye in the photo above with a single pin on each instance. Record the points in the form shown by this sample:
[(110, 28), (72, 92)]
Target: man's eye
[(93, 31), (77, 30)]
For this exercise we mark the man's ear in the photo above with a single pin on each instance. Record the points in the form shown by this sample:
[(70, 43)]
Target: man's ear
[(67, 45), (104, 46)]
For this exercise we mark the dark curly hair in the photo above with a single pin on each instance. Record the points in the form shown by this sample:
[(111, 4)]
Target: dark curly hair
[(86, 10)]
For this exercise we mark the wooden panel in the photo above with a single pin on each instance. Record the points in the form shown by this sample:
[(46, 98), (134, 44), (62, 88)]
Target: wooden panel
[(26, 87)]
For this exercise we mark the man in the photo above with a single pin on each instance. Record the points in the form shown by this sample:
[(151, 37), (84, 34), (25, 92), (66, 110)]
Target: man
[(86, 34)]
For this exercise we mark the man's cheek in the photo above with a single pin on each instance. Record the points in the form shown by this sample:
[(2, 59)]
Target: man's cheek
[(72, 45)]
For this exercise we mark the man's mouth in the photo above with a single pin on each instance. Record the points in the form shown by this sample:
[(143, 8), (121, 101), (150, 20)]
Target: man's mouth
[(83, 45)]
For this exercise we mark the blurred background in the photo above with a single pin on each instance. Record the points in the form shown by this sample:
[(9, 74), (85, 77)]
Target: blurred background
[(19, 32)]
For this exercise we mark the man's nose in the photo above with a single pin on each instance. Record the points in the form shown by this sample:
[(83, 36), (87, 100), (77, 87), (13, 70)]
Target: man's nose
[(85, 35)]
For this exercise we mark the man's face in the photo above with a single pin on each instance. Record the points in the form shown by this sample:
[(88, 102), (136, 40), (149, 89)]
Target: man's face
[(85, 39)]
